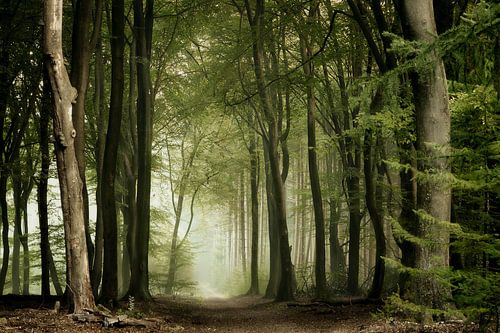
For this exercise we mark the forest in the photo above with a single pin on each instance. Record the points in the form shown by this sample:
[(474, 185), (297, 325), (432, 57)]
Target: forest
[(250, 165)]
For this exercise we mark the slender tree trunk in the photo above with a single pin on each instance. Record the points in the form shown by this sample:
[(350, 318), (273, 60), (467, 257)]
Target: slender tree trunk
[(337, 259), (132, 214), (254, 189), (371, 198), (16, 254), (25, 243), (319, 223), (109, 214), (22, 189), (285, 289), (143, 21), (42, 185), (5, 230), (242, 225), (99, 104), (53, 274), (79, 76), (130, 166), (172, 263), (274, 258), (63, 95)]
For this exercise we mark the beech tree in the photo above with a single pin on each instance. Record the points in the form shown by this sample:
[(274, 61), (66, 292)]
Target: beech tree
[(430, 95), (63, 95)]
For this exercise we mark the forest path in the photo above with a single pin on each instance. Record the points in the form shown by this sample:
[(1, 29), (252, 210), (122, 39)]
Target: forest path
[(255, 314)]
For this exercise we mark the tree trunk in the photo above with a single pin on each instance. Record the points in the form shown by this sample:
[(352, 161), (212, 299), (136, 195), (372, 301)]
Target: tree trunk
[(99, 104), (285, 289), (242, 225), (5, 230), (42, 186), (254, 190), (24, 241), (172, 263), (371, 198), (337, 259), (63, 95), (53, 274), (319, 223), (16, 254), (130, 167), (22, 185), (274, 258), (143, 20), (79, 76), (433, 137), (110, 273)]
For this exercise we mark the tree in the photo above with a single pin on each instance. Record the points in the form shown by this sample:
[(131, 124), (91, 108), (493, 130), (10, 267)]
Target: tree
[(143, 25), (254, 189), (82, 45), (271, 141), (107, 193), (63, 95), (430, 95), (306, 42)]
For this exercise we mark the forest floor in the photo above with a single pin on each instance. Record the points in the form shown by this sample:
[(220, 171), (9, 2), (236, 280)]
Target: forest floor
[(241, 314)]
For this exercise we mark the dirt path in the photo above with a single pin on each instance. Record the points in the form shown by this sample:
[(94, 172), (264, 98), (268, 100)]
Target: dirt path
[(250, 314)]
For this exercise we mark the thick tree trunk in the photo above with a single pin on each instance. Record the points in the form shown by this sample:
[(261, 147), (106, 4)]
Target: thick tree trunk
[(433, 137), (63, 95)]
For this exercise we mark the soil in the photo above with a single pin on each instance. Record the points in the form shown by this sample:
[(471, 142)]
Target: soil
[(241, 314)]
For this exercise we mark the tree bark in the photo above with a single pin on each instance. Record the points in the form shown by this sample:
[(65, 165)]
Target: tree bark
[(109, 214), (243, 251), (143, 21), (99, 104), (274, 249), (5, 230), (42, 186), (79, 76), (63, 95), (16, 253), (319, 223), (254, 190), (285, 289), (430, 95), (337, 259)]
